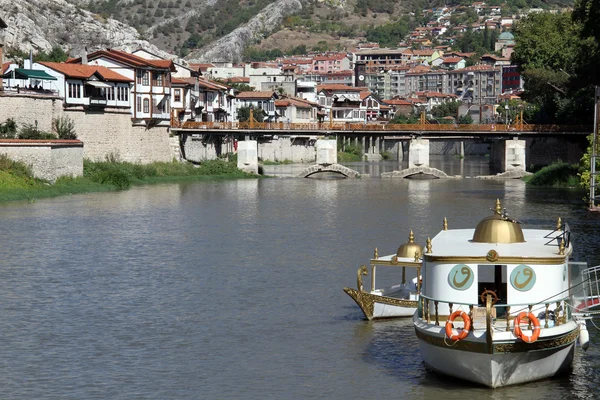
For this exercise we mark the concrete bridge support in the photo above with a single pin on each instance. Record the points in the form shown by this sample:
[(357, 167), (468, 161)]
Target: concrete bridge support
[(326, 152), (248, 156), (373, 151), (418, 153), (507, 158)]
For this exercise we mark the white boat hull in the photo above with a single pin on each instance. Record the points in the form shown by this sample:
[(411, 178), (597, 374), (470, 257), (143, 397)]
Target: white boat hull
[(504, 363)]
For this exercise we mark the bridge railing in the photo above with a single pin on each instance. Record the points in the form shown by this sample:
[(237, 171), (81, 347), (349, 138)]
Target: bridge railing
[(377, 127)]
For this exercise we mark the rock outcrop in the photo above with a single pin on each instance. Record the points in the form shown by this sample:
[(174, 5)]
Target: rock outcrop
[(230, 48), (38, 25)]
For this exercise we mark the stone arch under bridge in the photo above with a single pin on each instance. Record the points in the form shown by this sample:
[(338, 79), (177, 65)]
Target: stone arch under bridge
[(334, 168), (405, 173)]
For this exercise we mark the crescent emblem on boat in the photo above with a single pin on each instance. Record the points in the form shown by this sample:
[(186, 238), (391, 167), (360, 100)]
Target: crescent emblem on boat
[(522, 278), (461, 277)]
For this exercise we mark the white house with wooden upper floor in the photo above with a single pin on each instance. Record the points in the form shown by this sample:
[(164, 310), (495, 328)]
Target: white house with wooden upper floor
[(296, 110), (259, 100), (342, 103), (151, 90), (88, 86)]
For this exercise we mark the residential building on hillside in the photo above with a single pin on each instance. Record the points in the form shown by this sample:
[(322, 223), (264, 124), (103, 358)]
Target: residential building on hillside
[(341, 103), (151, 89), (377, 58), (335, 62), (427, 100), (453, 63), (259, 100), (307, 90), (92, 87), (511, 79), (478, 83), (339, 77), (296, 110), (495, 61), (400, 106), (280, 82), (216, 102), (388, 83)]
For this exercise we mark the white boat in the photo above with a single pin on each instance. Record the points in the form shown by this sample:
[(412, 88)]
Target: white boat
[(496, 305), (399, 300)]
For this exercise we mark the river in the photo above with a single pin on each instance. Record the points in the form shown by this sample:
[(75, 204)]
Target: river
[(229, 290)]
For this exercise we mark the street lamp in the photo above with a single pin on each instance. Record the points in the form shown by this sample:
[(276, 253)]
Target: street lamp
[(506, 114)]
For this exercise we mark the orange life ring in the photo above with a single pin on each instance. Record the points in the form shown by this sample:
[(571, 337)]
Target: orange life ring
[(536, 327), (466, 325)]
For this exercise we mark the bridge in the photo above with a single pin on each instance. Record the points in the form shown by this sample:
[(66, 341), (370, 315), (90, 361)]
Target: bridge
[(423, 129), (511, 148)]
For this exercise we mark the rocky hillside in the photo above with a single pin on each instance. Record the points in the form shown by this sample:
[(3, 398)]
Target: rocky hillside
[(38, 25), (207, 30)]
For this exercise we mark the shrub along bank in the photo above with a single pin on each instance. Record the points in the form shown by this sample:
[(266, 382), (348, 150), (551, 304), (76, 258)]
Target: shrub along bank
[(558, 174), (17, 182)]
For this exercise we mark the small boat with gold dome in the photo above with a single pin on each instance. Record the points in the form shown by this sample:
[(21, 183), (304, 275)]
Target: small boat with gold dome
[(399, 300), (497, 302)]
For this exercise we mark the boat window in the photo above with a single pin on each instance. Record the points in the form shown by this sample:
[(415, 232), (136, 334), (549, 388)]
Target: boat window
[(492, 277)]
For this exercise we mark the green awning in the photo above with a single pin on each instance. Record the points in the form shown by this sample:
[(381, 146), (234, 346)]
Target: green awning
[(22, 73)]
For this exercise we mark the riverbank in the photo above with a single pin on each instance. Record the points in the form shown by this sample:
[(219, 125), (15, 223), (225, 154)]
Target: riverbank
[(17, 183), (558, 174)]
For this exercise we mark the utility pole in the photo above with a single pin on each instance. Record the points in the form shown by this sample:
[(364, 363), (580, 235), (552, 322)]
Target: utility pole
[(594, 154)]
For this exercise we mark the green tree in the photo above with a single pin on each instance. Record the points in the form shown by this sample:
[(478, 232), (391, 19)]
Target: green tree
[(587, 14), (57, 54), (244, 114), (405, 119), (549, 52)]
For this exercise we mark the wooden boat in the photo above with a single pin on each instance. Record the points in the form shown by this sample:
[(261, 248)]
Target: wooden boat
[(399, 300), (497, 302)]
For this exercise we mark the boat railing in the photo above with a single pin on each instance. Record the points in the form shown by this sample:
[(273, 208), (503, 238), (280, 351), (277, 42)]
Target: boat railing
[(550, 314)]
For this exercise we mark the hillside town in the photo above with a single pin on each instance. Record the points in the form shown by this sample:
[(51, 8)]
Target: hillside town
[(369, 84)]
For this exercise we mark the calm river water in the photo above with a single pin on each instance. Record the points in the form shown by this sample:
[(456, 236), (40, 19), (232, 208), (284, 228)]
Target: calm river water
[(231, 290)]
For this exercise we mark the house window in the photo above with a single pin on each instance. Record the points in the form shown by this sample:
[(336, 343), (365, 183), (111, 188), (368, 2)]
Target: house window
[(110, 93), (74, 90), (146, 106), (145, 78), (140, 74), (139, 104), (159, 79), (177, 95), (125, 94)]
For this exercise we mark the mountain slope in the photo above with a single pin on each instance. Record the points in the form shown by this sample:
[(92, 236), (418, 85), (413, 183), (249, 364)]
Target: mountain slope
[(38, 25)]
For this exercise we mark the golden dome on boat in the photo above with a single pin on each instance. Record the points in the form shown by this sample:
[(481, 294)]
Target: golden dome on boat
[(498, 228), (408, 250)]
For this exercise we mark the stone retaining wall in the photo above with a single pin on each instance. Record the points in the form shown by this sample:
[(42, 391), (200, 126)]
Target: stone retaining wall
[(107, 132), (48, 159)]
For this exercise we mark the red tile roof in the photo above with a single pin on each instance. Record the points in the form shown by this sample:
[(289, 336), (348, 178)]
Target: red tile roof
[(398, 102), (340, 88), (128, 59), (291, 102), (79, 71), (255, 95), (238, 79), (5, 66), (452, 60)]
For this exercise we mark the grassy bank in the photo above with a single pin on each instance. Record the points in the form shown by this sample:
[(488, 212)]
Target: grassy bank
[(17, 182), (558, 174)]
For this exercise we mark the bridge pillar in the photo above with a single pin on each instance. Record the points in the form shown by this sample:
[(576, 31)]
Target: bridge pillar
[(418, 153), (514, 155), (248, 156), (326, 152)]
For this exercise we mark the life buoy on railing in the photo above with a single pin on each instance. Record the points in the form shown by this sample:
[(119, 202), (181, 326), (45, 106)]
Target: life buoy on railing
[(466, 325), (536, 327)]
